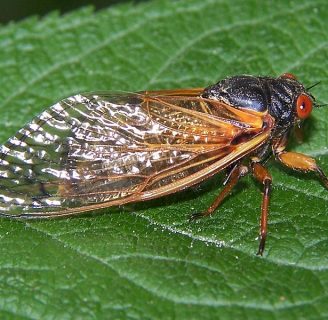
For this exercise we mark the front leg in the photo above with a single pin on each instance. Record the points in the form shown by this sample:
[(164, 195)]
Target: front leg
[(301, 162)]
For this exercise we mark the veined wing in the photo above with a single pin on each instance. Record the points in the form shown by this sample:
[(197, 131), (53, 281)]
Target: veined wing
[(97, 150)]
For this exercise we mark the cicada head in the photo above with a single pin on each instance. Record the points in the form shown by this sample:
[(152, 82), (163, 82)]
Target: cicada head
[(302, 101)]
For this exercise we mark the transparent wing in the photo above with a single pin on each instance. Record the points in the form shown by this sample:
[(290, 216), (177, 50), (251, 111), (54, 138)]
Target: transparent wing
[(97, 150)]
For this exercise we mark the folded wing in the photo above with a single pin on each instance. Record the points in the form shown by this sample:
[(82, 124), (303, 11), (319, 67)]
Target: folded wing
[(97, 150)]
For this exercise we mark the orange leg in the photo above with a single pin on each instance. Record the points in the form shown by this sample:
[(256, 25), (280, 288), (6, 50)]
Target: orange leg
[(301, 162), (234, 176), (263, 176)]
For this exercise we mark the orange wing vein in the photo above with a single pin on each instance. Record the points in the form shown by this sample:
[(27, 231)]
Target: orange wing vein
[(97, 150)]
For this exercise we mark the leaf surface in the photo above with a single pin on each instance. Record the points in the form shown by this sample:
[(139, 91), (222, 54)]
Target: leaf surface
[(147, 261)]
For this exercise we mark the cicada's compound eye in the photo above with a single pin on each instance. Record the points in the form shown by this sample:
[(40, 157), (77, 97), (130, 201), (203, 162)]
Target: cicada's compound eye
[(304, 106), (288, 76)]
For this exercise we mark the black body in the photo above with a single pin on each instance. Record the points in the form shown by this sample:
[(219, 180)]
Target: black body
[(275, 95)]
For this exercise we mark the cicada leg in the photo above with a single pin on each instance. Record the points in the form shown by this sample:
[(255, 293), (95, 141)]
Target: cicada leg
[(303, 163), (263, 176), (236, 173)]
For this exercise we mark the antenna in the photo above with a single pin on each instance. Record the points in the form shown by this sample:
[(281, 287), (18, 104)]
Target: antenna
[(310, 87)]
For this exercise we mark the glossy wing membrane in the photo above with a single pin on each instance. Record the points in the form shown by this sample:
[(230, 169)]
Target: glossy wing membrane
[(96, 150)]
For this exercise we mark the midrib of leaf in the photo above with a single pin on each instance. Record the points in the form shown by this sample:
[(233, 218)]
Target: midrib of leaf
[(176, 230), (107, 264)]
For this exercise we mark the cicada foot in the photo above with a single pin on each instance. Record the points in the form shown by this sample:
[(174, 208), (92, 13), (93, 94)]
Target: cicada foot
[(261, 245), (197, 215)]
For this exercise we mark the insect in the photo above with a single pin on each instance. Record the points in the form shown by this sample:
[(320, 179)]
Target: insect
[(97, 150)]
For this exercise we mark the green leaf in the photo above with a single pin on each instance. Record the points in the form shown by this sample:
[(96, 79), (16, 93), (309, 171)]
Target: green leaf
[(147, 261)]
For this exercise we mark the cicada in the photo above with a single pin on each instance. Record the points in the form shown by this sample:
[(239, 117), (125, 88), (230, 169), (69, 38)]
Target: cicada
[(97, 150)]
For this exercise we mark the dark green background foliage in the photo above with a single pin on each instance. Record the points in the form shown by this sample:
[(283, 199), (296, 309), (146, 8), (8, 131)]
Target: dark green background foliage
[(15, 10), (147, 261)]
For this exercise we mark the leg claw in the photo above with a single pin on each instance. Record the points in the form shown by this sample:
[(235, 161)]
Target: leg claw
[(196, 216)]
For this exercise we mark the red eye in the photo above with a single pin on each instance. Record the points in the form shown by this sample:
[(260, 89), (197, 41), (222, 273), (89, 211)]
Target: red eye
[(288, 76), (303, 106)]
